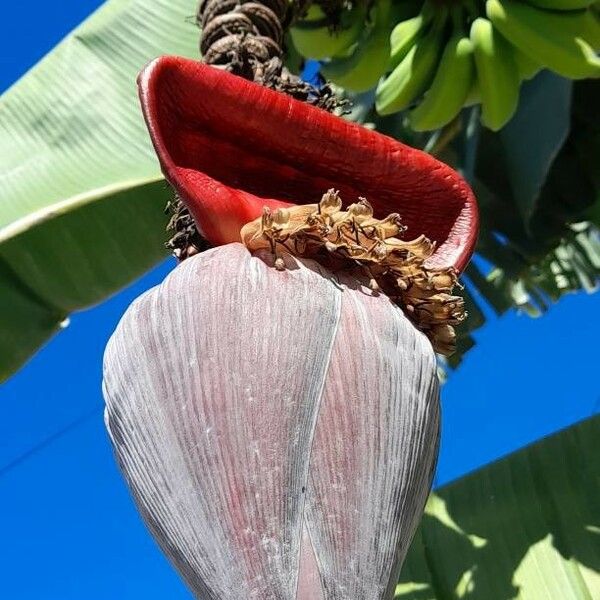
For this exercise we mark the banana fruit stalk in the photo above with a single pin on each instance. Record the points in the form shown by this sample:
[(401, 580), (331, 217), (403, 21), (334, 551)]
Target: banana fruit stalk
[(414, 73), (497, 74), (551, 38), (362, 69)]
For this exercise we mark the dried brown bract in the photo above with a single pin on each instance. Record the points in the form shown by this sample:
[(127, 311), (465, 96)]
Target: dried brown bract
[(355, 239)]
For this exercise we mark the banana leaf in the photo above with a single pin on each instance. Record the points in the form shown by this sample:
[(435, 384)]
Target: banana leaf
[(81, 209), (543, 122), (526, 527)]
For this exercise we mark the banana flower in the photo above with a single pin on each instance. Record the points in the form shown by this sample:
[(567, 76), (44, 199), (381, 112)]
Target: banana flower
[(273, 404)]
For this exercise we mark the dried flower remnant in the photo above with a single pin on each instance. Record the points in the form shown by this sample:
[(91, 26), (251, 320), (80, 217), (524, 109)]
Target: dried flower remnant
[(355, 240)]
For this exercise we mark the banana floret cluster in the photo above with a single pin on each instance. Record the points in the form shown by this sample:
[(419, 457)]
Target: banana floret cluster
[(434, 57), (353, 239)]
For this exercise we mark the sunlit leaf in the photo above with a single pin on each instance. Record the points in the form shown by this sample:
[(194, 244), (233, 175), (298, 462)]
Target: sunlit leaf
[(525, 527), (82, 194)]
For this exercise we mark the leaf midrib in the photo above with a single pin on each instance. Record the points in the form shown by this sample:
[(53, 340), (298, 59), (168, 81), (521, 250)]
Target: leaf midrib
[(49, 212)]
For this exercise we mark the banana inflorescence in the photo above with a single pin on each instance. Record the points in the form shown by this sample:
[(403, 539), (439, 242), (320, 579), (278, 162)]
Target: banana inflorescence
[(433, 57)]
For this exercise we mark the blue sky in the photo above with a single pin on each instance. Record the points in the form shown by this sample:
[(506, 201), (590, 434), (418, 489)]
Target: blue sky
[(68, 528)]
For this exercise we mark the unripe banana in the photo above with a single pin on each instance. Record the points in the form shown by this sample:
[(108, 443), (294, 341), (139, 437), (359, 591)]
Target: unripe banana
[(474, 95), (414, 74), (591, 29), (313, 37), (450, 87), (405, 34), (497, 74), (362, 69), (526, 66), (553, 39), (561, 4)]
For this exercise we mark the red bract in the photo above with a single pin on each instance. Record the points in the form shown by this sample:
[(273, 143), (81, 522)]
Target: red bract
[(230, 147)]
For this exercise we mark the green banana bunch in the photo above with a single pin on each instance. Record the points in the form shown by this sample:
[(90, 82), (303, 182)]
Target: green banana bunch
[(436, 67), (497, 74), (314, 38), (412, 76), (451, 85), (553, 39), (406, 33), (361, 70), (561, 4)]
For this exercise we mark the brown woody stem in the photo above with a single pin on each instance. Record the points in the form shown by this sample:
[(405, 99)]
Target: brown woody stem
[(244, 37)]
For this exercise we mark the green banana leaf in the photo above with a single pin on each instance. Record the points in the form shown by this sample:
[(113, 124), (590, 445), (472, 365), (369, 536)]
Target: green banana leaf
[(543, 122), (81, 207), (526, 527)]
